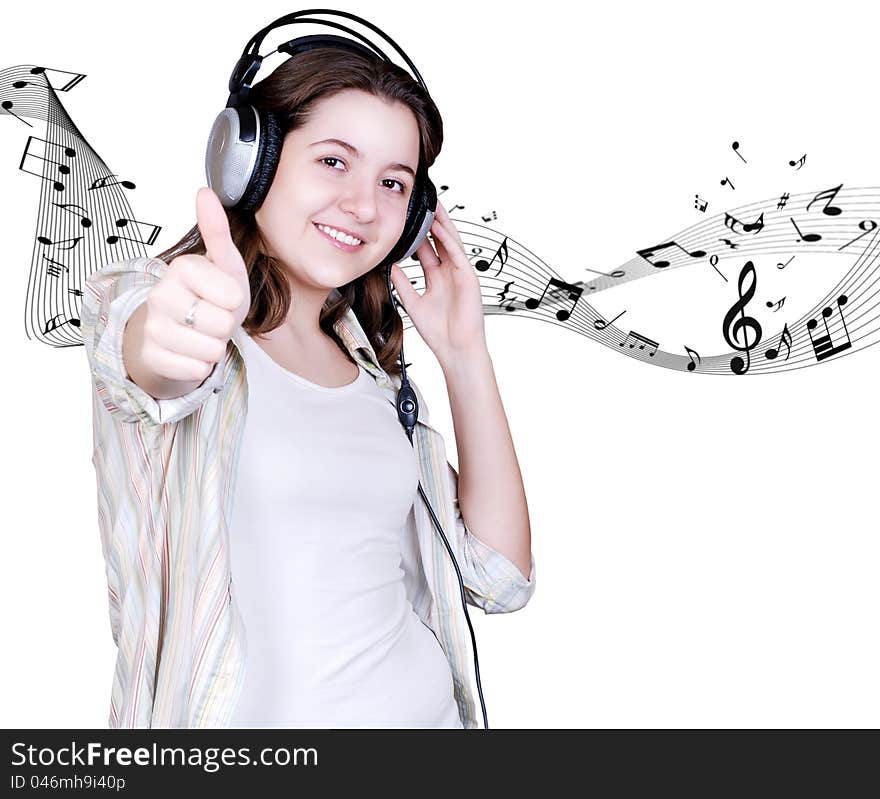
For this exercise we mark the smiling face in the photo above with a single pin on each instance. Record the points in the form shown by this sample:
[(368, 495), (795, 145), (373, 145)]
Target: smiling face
[(321, 182)]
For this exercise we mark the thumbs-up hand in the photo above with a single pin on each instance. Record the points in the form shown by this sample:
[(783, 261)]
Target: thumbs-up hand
[(172, 349), (220, 249)]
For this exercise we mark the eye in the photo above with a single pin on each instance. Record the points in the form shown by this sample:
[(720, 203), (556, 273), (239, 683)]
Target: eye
[(402, 186), (401, 190), (330, 158)]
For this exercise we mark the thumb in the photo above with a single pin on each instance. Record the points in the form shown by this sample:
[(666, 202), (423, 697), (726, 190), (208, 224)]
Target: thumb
[(214, 227)]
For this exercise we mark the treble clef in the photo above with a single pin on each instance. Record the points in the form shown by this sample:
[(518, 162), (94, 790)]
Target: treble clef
[(733, 326)]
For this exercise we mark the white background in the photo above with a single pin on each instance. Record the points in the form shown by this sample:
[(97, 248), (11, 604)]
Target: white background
[(706, 548)]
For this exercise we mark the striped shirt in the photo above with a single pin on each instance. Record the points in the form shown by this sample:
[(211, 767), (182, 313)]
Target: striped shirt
[(166, 474)]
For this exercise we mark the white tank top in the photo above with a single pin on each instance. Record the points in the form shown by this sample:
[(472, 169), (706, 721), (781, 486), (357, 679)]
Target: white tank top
[(325, 483)]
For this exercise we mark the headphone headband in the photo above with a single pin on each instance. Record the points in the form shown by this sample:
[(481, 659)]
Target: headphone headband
[(247, 66)]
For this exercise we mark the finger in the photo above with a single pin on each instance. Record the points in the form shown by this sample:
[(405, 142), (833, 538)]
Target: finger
[(427, 254), (445, 244), (408, 295), (214, 227)]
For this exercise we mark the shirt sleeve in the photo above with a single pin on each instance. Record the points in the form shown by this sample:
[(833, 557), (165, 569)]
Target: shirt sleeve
[(492, 582), (110, 297)]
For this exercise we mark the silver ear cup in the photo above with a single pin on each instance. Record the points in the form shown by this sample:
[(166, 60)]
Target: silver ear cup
[(421, 235), (229, 162)]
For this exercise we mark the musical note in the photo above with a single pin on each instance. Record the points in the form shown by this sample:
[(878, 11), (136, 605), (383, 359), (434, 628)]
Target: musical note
[(645, 342), (84, 220), (77, 77), (508, 307), (731, 326), (780, 304), (63, 169), (618, 273), (870, 222), (7, 105), (476, 250), (713, 261), (601, 324), (801, 161), (574, 293), (52, 324), (501, 253), (729, 243), (811, 237), (735, 146), (55, 267), (442, 189), (45, 240), (124, 223), (757, 226), (785, 338), (490, 218), (648, 252), (692, 365), (828, 195), (728, 182), (747, 227), (456, 206), (699, 204), (780, 265), (101, 183), (822, 346)]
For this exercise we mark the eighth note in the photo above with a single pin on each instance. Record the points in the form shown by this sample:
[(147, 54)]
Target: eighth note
[(828, 195), (728, 182), (101, 183), (785, 338), (47, 241), (574, 293), (691, 353), (780, 304), (501, 253)]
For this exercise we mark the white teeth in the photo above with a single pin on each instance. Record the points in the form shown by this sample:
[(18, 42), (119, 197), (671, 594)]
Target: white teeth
[(351, 240)]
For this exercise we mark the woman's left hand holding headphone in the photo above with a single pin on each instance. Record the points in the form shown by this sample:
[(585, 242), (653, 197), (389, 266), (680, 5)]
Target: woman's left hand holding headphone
[(449, 313)]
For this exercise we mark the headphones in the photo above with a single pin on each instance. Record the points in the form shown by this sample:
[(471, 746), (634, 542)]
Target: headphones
[(241, 160), (245, 142)]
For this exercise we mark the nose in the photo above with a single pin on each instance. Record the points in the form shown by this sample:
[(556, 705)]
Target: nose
[(360, 200)]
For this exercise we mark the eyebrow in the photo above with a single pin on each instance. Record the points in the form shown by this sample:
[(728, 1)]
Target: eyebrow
[(354, 151)]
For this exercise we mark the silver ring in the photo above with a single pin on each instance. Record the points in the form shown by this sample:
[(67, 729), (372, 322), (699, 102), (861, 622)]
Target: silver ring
[(190, 318)]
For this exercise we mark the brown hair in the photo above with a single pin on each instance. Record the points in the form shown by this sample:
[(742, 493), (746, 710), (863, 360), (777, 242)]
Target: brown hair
[(290, 92)]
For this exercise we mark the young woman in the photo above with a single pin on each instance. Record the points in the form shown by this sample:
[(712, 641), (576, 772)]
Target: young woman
[(269, 559)]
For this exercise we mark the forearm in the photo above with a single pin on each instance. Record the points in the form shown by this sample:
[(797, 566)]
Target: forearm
[(491, 495)]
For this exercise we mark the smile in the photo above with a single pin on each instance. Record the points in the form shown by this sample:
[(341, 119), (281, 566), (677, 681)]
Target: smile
[(341, 245)]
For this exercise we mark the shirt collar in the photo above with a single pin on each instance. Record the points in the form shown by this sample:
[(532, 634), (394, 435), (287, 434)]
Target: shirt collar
[(352, 335)]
